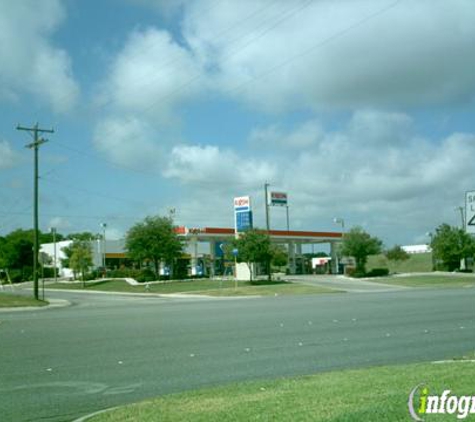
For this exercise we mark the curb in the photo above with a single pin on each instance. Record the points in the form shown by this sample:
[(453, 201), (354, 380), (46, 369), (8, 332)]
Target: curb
[(160, 295), (157, 295), (91, 415)]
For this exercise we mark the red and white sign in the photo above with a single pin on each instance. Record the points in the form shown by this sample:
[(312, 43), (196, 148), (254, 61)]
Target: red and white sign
[(243, 203), (278, 198)]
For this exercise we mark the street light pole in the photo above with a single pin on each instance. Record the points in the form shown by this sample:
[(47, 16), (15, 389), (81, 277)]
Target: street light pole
[(53, 231), (104, 225)]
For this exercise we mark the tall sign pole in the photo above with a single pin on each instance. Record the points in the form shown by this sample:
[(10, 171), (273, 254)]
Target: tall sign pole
[(266, 202), (35, 130)]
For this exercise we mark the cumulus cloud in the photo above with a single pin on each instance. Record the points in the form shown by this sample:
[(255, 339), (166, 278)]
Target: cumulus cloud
[(152, 74), (210, 165), (305, 135), (128, 141), (8, 157), (366, 59), (345, 54), (401, 186), (279, 56), (31, 64)]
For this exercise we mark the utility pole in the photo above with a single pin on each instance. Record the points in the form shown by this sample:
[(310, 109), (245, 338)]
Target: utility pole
[(266, 202), (35, 130)]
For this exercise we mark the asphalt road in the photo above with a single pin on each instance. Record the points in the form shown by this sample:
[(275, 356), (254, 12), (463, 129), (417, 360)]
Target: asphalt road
[(346, 284), (107, 350)]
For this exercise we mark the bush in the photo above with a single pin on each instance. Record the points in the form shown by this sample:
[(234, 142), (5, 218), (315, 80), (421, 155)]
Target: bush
[(48, 272), (141, 276), (378, 272), (16, 276), (355, 273), (375, 272), (145, 275)]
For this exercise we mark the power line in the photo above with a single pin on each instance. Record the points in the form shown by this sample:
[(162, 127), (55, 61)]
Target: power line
[(101, 158), (289, 13), (316, 46)]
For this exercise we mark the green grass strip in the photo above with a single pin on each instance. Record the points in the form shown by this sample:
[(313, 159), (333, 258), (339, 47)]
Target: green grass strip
[(8, 300), (435, 280), (201, 286), (374, 394)]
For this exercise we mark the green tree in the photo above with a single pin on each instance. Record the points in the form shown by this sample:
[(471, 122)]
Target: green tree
[(279, 256), (79, 256), (154, 239), (397, 253), (18, 249), (254, 246), (83, 236), (359, 244), (451, 245), (16, 252)]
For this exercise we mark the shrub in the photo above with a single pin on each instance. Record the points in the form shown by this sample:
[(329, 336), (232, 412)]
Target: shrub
[(378, 272), (145, 275), (355, 272), (16, 276)]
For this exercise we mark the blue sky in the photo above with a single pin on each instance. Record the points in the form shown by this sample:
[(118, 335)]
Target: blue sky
[(359, 109)]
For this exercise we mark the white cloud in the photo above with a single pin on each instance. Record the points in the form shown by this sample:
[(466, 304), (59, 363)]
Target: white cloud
[(129, 141), (363, 57), (150, 75), (274, 136), (400, 187), (8, 157), (279, 56), (210, 166), (30, 62), (339, 54)]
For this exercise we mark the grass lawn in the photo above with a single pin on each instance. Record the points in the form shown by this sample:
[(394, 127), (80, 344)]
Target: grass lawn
[(435, 280), (8, 300), (201, 286), (417, 263), (374, 394)]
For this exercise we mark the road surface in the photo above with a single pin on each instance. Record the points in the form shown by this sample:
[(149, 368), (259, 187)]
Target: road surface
[(107, 350)]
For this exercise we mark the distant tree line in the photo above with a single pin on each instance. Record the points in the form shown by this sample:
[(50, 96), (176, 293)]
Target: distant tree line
[(153, 244), (16, 253)]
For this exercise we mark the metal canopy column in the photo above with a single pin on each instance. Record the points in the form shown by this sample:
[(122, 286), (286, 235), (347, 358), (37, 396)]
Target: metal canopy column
[(291, 246), (334, 256)]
